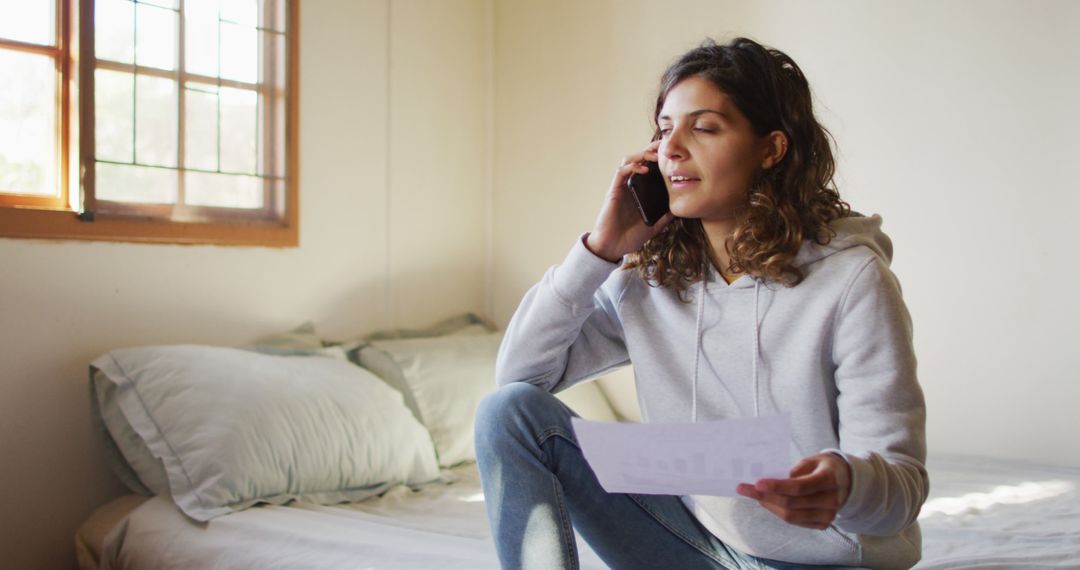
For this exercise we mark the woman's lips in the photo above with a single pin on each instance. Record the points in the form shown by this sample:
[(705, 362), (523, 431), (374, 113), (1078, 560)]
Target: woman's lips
[(684, 182)]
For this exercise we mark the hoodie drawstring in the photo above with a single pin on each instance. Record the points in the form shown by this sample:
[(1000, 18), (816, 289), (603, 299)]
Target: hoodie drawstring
[(697, 349), (757, 335)]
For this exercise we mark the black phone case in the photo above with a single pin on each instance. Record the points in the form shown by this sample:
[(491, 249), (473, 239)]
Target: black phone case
[(650, 193)]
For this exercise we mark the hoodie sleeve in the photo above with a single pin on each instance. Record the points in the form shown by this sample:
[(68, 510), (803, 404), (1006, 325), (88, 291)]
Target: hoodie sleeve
[(566, 328), (881, 408)]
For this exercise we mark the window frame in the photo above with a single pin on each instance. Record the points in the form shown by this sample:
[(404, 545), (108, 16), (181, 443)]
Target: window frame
[(54, 218)]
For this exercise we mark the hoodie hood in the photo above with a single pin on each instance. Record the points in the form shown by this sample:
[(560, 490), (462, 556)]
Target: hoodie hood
[(851, 231)]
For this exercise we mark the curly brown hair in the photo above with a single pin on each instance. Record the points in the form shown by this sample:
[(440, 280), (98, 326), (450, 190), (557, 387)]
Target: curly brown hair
[(792, 201)]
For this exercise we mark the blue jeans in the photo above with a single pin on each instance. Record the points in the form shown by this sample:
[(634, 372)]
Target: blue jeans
[(537, 484)]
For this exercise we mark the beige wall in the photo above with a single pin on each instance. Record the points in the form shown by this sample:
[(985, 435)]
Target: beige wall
[(390, 208), (955, 120)]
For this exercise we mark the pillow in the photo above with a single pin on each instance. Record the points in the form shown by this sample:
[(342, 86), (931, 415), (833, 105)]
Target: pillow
[(588, 401), (620, 391), (230, 428), (443, 379), (450, 325), (128, 455), (301, 341)]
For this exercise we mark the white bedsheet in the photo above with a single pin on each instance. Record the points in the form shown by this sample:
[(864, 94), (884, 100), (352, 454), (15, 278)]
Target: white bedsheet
[(439, 526), (981, 514), (987, 514)]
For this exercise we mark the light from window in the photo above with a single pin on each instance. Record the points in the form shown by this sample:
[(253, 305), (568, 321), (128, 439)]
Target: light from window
[(29, 145), (190, 105)]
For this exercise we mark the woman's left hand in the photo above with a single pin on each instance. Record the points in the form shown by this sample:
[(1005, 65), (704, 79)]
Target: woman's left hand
[(811, 497)]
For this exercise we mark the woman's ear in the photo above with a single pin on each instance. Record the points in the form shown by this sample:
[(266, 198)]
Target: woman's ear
[(776, 144)]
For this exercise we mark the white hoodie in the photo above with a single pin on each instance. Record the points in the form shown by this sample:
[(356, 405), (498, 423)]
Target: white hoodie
[(835, 352)]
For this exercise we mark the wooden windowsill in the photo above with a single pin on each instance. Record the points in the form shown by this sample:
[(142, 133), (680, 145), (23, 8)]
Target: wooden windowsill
[(65, 225)]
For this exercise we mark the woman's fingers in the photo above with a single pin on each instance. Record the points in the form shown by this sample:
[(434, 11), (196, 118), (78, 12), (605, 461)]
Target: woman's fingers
[(829, 499), (619, 228), (816, 511), (649, 154), (623, 173), (811, 497)]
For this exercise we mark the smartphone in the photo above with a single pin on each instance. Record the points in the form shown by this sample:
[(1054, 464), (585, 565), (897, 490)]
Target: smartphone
[(650, 193)]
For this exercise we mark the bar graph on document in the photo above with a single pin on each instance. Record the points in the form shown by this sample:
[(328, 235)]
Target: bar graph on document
[(709, 458)]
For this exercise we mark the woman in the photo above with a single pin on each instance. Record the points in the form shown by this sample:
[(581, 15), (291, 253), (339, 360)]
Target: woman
[(759, 293)]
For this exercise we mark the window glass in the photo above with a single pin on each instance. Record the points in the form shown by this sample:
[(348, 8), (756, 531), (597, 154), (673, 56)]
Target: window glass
[(155, 121), (114, 30), (137, 184), (27, 123), (30, 21), (114, 115), (223, 190)]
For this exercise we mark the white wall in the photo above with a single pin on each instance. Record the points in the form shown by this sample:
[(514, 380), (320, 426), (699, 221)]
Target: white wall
[(957, 121), (392, 204)]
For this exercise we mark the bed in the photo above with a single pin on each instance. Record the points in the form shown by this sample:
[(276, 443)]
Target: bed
[(982, 513), (297, 452)]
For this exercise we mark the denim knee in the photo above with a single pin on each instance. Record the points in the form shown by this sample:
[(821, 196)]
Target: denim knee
[(514, 406)]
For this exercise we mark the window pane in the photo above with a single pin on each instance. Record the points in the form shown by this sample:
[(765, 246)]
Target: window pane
[(162, 3), (114, 115), (114, 30), (239, 53), (238, 131), (201, 126), (242, 12), (28, 161), (201, 41), (155, 121), (143, 184), (223, 190), (33, 22), (155, 37)]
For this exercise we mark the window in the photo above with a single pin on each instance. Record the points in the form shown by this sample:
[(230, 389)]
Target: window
[(181, 129)]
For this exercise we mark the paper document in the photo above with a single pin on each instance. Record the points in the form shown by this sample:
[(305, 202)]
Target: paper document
[(708, 458)]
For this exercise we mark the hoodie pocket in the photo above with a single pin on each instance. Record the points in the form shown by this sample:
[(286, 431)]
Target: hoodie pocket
[(829, 546)]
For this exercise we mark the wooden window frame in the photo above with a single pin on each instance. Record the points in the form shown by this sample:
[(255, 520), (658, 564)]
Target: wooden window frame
[(53, 218)]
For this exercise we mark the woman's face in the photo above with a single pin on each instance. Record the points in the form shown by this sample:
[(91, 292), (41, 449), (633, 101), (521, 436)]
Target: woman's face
[(709, 154)]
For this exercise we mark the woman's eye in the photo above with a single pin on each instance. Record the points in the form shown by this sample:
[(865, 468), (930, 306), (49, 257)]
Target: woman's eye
[(705, 129), (665, 132)]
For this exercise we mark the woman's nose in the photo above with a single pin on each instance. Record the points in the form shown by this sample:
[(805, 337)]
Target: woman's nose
[(671, 147)]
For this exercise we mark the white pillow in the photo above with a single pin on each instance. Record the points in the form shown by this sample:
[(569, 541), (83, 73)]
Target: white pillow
[(588, 401), (443, 380), (232, 428), (619, 389)]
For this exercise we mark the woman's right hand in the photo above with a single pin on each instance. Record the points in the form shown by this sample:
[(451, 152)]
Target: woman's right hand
[(619, 228)]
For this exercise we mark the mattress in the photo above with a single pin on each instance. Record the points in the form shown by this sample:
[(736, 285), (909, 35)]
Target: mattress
[(981, 513), (437, 526), (987, 513)]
